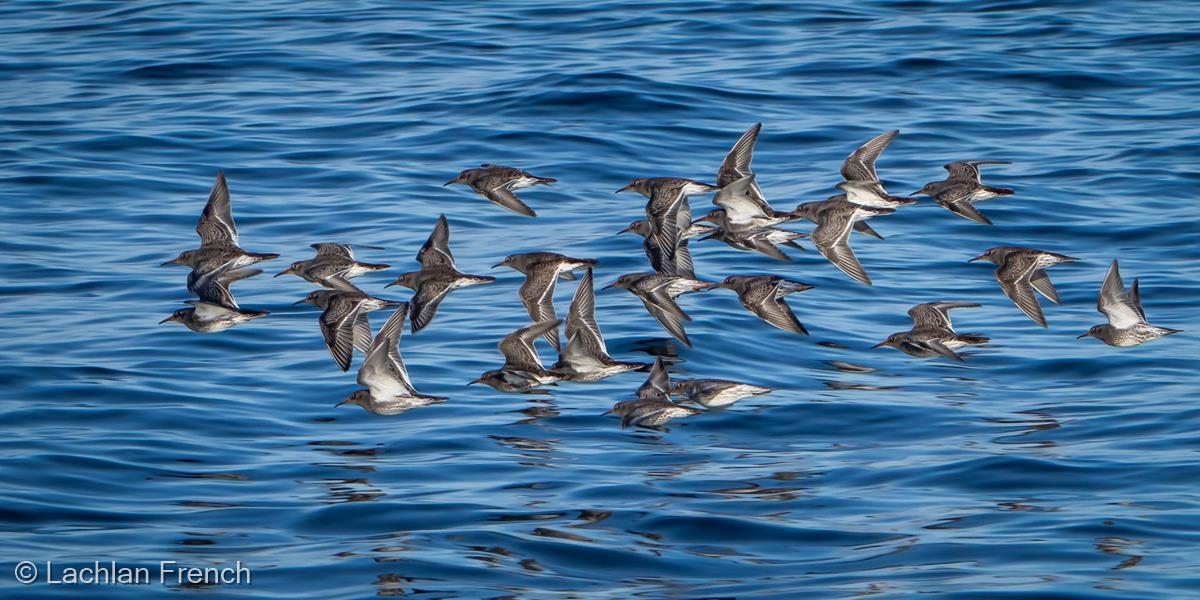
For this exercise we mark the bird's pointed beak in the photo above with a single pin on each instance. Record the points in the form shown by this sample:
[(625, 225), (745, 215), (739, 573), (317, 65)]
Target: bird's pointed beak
[(167, 320), (340, 403), (1085, 334), (480, 380), (626, 230), (606, 413), (397, 282), (626, 188), (880, 345), (300, 301), (980, 257), (451, 182), (611, 285), (173, 261), (287, 271)]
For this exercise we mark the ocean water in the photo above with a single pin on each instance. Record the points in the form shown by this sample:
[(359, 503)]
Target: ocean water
[(1042, 467)]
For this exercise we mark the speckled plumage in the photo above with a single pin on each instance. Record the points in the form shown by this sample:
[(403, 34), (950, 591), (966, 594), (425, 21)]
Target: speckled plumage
[(585, 357), (1020, 271), (963, 187), (437, 277), (522, 370), (389, 390), (496, 183), (1127, 324), (932, 333), (653, 406), (763, 295), (658, 292), (542, 271)]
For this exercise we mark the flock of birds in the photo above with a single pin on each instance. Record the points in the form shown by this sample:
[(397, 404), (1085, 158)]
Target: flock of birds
[(743, 219)]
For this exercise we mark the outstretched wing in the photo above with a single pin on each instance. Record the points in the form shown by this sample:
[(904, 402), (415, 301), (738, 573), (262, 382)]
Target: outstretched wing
[(537, 294), (517, 347), (216, 226), (668, 314), (1122, 308), (860, 165), (504, 197), (1013, 276), (832, 238), (969, 169), (663, 212), (765, 302), (1042, 284), (338, 327), (964, 208), (741, 208), (425, 302), (332, 249), (213, 286), (865, 229), (582, 327), (383, 371), (759, 243), (436, 251), (936, 314), (942, 349), (683, 261), (737, 161), (658, 384)]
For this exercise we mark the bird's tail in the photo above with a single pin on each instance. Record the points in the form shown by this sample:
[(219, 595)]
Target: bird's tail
[(999, 191)]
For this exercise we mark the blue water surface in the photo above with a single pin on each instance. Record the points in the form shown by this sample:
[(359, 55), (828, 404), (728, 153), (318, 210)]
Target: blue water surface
[(1043, 467)]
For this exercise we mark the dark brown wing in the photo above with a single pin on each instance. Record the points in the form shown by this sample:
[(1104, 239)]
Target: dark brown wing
[(969, 169), (517, 347), (936, 314), (332, 249), (436, 251), (737, 161), (658, 384), (216, 226), (860, 165), (964, 208), (1013, 276), (504, 197)]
